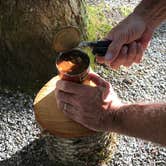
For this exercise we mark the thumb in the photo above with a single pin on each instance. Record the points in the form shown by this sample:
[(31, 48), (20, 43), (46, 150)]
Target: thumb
[(98, 80), (113, 50)]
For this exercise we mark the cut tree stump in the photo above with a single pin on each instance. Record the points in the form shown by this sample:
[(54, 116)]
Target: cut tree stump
[(67, 142)]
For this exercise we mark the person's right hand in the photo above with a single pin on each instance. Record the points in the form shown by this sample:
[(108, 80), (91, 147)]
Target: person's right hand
[(129, 39)]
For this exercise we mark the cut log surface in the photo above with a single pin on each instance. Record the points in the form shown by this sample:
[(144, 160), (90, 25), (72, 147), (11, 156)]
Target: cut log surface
[(51, 119)]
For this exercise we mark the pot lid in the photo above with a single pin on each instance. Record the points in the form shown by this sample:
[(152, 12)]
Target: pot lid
[(66, 39)]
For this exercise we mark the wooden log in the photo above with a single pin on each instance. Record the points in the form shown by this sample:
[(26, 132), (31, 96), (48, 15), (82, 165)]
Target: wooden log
[(51, 118), (94, 150), (68, 142)]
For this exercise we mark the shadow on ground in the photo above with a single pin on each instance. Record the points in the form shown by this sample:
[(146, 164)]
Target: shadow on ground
[(33, 154)]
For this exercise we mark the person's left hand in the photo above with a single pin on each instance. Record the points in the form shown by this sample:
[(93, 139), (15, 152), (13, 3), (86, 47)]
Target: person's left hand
[(93, 107)]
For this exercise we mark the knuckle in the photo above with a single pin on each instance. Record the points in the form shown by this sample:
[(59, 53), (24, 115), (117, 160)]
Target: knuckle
[(113, 50)]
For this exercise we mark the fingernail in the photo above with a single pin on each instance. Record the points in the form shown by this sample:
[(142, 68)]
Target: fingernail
[(108, 56)]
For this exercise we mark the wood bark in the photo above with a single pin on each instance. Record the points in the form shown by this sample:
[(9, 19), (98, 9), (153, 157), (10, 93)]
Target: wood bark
[(27, 30), (95, 150)]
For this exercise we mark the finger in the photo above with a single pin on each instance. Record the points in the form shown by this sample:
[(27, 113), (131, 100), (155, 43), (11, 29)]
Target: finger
[(146, 37), (131, 54), (113, 51), (70, 111), (97, 80), (75, 88), (120, 60), (139, 55), (73, 113), (104, 86), (65, 97), (65, 107), (100, 59)]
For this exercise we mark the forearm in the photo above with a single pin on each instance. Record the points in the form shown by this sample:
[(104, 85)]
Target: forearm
[(146, 121), (152, 11)]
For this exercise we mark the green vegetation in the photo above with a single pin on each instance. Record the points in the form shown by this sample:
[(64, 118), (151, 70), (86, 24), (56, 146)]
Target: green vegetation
[(125, 10), (97, 24)]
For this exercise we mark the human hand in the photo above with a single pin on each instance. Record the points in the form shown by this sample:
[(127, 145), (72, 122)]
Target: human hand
[(93, 107), (129, 39)]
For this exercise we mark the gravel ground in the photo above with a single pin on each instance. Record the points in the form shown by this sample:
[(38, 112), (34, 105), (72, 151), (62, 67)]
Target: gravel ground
[(20, 142)]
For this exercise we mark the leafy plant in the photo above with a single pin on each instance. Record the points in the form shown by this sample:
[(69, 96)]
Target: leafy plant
[(97, 24), (125, 11)]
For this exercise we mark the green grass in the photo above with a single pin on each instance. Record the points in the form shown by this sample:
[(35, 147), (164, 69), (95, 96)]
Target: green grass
[(97, 25)]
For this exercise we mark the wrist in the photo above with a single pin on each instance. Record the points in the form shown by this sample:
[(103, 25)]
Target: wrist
[(148, 21), (113, 120), (152, 12)]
